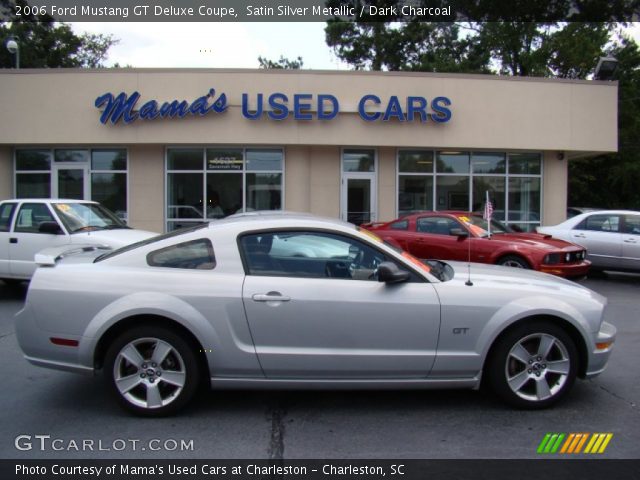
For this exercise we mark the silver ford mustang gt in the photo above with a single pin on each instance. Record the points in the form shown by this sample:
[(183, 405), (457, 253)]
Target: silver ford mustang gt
[(297, 301)]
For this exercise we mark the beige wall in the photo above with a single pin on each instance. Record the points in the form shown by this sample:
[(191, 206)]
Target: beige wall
[(324, 181), (6, 173), (297, 176), (146, 187), (386, 184), (488, 111), (554, 184)]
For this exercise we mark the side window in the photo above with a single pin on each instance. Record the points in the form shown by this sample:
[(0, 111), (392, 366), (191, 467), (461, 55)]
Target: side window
[(600, 223), (401, 225), (31, 215), (632, 224), (6, 214), (309, 255), (193, 255), (436, 225)]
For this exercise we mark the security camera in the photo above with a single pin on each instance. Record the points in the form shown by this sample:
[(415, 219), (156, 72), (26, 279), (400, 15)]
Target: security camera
[(12, 45)]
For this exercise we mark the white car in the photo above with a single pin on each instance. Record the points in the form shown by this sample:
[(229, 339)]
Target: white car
[(611, 237), (28, 226)]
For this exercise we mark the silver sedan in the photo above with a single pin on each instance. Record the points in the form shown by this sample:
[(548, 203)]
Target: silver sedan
[(238, 304), (611, 237)]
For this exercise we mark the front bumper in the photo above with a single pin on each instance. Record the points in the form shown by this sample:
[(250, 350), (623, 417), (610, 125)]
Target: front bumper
[(598, 357), (567, 270)]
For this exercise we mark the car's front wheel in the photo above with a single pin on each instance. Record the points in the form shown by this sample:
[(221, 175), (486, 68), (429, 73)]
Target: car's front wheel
[(533, 366), (513, 261), (153, 371)]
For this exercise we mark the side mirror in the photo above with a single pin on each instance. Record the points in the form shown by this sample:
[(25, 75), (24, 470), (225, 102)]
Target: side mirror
[(51, 228), (459, 232), (388, 272)]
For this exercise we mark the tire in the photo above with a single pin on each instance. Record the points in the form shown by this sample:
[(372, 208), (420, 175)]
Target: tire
[(513, 261), (148, 386), (520, 372)]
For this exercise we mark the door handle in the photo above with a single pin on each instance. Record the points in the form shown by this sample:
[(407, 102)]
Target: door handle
[(13, 240), (579, 235), (630, 240), (270, 297)]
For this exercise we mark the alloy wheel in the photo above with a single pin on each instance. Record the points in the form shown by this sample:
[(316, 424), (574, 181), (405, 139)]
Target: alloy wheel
[(149, 373), (537, 367)]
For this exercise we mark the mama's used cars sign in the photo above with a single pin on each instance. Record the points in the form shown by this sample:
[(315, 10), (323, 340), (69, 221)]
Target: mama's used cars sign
[(276, 106)]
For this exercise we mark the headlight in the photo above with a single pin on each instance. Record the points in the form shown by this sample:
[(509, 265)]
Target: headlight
[(552, 258)]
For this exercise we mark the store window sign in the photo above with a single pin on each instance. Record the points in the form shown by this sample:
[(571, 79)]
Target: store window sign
[(277, 106), (224, 163)]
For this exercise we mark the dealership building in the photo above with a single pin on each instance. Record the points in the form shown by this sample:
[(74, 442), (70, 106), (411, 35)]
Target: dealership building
[(168, 147)]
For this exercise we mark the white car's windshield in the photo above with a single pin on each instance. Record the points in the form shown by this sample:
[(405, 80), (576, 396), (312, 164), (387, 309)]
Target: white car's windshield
[(78, 217)]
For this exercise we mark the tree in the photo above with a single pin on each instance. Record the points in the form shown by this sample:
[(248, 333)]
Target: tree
[(611, 181), (282, 63), (47, 44), (378, 40)]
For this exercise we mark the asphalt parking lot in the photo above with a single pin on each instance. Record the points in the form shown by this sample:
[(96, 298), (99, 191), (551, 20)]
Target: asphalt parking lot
[(266, 424)]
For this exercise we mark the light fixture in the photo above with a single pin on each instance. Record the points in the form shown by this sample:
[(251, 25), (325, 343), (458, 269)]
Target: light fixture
[(606, 68), (14, 48)]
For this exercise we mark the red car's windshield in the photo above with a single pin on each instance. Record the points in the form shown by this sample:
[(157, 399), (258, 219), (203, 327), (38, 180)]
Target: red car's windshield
[(480, 227)]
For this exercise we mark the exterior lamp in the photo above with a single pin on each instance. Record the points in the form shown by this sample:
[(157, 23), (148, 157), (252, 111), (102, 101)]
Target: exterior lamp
[(14, 48), (606, 68)]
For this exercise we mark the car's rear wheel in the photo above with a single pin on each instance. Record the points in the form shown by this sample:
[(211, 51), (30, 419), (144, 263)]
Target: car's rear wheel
[(533, 365), (153, 371), (513, 261)]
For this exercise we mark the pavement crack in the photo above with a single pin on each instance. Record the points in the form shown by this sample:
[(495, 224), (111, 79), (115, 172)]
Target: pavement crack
[(277, 413), (7, 335), (619, 397)]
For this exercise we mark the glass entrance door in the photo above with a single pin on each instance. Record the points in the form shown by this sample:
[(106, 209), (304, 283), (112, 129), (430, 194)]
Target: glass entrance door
[(358, 201), (70, 182)]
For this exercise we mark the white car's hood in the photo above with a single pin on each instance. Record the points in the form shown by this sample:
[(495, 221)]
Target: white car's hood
[(113, 238)]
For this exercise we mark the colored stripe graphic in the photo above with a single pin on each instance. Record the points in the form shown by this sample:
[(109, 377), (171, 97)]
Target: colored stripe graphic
[(573, 443)]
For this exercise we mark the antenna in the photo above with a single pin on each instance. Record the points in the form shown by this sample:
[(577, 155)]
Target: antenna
[(469, 283)]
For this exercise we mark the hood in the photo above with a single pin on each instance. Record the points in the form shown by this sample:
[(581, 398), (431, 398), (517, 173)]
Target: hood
[(520, 279), (113, 238), (536, 240)]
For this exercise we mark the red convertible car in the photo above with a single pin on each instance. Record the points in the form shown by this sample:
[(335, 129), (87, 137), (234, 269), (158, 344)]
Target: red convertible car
[(445, 235)]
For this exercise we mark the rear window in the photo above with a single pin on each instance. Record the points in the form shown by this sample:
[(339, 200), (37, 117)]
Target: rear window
[(149, 241), (6, 214), (192, 255)]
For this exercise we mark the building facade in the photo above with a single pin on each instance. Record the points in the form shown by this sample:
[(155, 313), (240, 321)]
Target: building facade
[(166, 148)]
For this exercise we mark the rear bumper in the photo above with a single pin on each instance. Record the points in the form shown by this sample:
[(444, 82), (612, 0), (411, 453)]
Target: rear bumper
[(599, 357), (567, 270)]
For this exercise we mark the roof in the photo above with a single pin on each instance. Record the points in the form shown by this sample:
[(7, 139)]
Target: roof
[(300, 72), (47, 200)]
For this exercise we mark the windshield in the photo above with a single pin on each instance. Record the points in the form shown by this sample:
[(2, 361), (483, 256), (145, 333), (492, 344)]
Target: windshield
[(480, 227), (78, 217)]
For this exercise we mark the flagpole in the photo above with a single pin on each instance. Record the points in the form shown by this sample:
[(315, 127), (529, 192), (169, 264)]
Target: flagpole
[(486, 203)]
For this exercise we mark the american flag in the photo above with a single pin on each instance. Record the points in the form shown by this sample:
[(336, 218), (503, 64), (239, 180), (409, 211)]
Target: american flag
[(488, 209)]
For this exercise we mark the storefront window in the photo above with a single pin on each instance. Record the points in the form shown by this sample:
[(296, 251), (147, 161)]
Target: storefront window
[(71, 155), (33, 185), (33, 160), (452, 162), (415, 161), (416, 194), (524, 163), (358, 160), (513, 180), (98, 174), (452, 192), (489, 162), (184, 159), (229, 180), (496, 188), (264, 191)]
